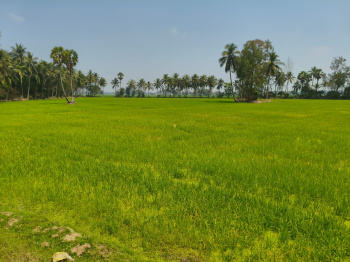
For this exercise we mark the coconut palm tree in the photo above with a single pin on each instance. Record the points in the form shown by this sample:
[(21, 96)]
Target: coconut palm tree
[(6, 70), (202, 84), (19, 53), (211, 83), (220, 84), (57, 57), (289, 79), (115, 82), (120, 77), (195, 83), (165, 81), (102, 82), (70, 59), (272, 69), (157, 84), (228, 59), (186, 80), (141, 84), (149, 86)]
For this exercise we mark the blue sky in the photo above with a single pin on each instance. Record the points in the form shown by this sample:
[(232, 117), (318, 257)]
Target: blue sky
[(146, 39)]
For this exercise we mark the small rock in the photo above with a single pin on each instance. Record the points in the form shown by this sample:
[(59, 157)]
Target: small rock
[(78, 249), (45, 244)]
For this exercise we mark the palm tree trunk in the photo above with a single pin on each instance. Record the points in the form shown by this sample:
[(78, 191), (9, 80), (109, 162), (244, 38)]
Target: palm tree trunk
[(64, 92), (71, 84), (267, 87), (28, 88)]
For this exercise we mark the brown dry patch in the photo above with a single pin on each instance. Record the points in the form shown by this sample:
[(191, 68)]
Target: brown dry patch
[(45, 244), (37, 229), (7, 213), (78, 249), (54, 228), (55, 235), (45, 230), (261, 101), (12, 221), (104, 252)]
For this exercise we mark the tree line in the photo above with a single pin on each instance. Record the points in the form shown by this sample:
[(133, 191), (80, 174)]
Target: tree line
[(23, 76), (254, 72)]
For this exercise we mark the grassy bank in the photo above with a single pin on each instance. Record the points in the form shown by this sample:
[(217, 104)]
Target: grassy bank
[(172, 179)]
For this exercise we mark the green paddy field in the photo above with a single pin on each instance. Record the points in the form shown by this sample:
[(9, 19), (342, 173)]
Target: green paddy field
[(176, 179)]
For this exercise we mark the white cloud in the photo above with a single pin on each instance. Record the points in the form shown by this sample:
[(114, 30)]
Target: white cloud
[(16, 18), (320, 50), (174, 30)]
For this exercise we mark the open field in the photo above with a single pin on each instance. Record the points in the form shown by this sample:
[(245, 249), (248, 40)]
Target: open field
[(177, 179)]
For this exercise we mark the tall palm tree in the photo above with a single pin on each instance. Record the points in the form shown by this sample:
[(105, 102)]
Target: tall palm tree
[(31, 63), (157, 84), (70, 58), (272, 69), (115, 82), (289, 79), (90, 79), (220, 84), (120, 77), (21, 70), (228, 59), (6, 70), (318, 75), (131, 84), (57, 57)]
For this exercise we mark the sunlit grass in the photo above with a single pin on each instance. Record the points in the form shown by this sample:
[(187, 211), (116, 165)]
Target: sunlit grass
[(203, 179)]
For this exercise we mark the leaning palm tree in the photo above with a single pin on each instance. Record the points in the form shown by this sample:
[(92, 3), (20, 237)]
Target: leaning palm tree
[(228, 59), (57, 57), (115, 82), (70, 58), (272, 69)]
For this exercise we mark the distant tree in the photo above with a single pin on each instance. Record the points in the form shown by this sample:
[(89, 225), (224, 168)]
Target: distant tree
[(149, 86), (211, 84), (141, 84), (186, 81), (202, 84), (102, 82), (289, 79), (195, 83), (165, 81), (157, 84), (120, 77), (115, 82)]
